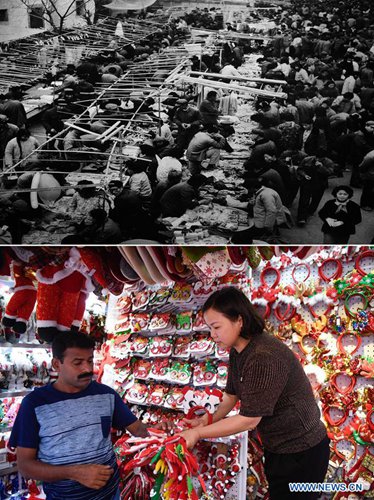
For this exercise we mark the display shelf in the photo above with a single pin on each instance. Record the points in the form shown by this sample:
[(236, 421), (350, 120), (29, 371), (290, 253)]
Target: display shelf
[(3, 430), (13, 469), (14, 394), (24, 345), (115, 317), (304, 275), (238, 490)]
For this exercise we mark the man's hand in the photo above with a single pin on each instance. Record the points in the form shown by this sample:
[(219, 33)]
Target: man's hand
[(93, 476), (168, 427)]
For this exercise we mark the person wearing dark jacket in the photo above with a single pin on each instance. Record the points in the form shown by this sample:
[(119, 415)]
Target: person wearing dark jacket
[(340, 216), (209, 109), (313, 174), (8, 131), (188, 120), (363, 143), (182, 196), (14, 110), (367, 175)]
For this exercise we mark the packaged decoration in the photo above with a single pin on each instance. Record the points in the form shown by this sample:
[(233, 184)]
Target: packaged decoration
[(123, 324), (140, 322), (137, 393), (222, 351), (159, 369), (139, 345), (160, 346), (202, 289), (156, 394), (174, 398), (140, 300), (123, 305), (181, 293), (222, 370), (199, 324), (141, 368), (207, 398), (183, 322), (160, 321), (181, 348), (160, 297), (205, 373), (202, 345), (180, 372)]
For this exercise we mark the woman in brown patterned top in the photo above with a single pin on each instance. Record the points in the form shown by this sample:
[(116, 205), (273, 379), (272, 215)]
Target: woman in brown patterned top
[(274, 393)]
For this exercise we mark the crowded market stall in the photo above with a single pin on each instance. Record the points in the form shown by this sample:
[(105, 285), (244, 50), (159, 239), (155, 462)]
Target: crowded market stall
[(283, 119), (142, 305)]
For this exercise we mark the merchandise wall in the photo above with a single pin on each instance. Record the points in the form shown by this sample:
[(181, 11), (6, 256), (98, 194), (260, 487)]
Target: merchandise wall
[(172, 364), (321, 306), (154, 349)]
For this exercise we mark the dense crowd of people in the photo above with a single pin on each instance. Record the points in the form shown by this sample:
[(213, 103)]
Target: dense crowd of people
[(324, 128)]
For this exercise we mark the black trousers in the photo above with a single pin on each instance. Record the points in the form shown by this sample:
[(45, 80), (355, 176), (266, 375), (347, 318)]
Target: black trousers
[(310, 197), (367, 194), (309, 466)]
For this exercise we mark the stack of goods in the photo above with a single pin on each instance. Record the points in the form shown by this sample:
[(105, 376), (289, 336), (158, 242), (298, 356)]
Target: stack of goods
[(159, 352), (22, 369), (167, 458), (322, 308), (160, 357)]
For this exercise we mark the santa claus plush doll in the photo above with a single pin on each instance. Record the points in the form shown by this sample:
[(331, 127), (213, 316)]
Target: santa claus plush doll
[(61, 299), (22, 302)]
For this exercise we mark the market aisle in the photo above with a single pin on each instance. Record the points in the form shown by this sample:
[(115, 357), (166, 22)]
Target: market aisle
[(311, 232)]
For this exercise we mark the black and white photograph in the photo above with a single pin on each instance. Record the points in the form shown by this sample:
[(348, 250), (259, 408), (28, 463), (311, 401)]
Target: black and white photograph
[(186, 250), (181, 122)]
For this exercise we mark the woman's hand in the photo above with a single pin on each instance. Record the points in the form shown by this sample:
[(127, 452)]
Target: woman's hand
[(191, 436), (195, 422)]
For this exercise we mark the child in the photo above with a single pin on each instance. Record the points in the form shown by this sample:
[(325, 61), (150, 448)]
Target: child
[(340, 216)]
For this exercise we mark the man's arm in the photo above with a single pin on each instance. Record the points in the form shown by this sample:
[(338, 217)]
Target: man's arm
[(138, 429), (93, 476)]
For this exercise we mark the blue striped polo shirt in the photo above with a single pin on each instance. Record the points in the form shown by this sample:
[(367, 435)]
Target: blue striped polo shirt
[(69, 429)]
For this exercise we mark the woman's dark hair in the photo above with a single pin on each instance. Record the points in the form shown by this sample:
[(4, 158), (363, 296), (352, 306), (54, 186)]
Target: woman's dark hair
[(347, 189), (232, 303), (65, 340)]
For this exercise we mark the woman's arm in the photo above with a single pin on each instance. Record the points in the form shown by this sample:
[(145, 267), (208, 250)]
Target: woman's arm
[(222, 428), (227, 404)]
